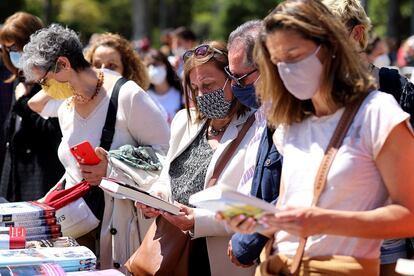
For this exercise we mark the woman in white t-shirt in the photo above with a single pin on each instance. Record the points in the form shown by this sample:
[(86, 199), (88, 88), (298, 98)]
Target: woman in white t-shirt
[(165, 86), (310, 73)]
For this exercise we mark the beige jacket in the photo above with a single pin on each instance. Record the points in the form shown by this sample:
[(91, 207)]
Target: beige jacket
[(183, 133)]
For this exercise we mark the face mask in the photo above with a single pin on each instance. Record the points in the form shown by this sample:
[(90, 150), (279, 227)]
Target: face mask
[(246, 95), (15, 59), (58, 90), (178, 52), (302, 78), (213, 105), (157, 74), (382, 61)]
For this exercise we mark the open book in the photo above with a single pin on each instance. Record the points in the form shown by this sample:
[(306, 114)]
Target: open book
[(123, 190), (231, 203)]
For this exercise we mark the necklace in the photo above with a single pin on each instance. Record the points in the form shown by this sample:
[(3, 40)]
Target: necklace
[(216, 132), (82, 99)]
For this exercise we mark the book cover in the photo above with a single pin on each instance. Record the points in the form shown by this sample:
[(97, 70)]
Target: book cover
[(43, 230), (105, 272), (64, 256), (12, 237), (43, 236), (230, 202), (122, 190), (32, 270), (30, 223), (57, 242), (27, 210)]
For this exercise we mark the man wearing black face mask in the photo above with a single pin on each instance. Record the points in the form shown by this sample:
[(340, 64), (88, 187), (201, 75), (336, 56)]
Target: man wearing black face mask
[(263, 163)]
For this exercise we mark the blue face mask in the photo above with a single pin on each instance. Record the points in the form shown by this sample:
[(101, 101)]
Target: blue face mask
[(15, 59), (246, 95)]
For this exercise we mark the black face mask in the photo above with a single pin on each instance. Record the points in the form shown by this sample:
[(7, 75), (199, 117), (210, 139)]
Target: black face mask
[(213, 105)]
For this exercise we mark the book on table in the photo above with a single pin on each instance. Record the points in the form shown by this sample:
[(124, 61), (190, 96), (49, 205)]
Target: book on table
[(30, 222), (123, 190), (32, 270), (12, 237), (26, 210), (70, 258), (231, 203), (57, 242)]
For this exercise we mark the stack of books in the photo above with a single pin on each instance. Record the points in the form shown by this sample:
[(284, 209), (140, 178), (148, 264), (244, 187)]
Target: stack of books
[(32, 270), (77, 258), (38, 219)]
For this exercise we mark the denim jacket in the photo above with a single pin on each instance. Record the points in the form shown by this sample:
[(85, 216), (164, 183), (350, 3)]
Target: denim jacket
[(265, 185)]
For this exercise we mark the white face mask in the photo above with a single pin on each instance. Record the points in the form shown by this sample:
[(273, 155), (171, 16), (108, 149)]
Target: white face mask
[(382, 61), (302, 78), (15, 59), (157, 74), (178, 52)]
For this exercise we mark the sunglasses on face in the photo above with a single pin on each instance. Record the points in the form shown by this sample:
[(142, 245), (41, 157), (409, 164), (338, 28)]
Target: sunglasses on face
[(12, 48), (43, 80), (202, 51), (237, 79)]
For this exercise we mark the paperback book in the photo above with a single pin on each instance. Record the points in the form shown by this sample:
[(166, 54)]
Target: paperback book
[(122, 190), (231, 203), (43, 230), (12, 237), (57, 242), (43, 237), (32, 270), (70, 257), (30, 223), (26, 210)]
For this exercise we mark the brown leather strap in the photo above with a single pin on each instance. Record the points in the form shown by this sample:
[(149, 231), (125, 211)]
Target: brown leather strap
[(225, 157), (320, 180)]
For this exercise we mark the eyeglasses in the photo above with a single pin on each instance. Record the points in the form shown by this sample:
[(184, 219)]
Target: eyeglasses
[(202, 51), (12, 48), (42, 81), (236, 79)]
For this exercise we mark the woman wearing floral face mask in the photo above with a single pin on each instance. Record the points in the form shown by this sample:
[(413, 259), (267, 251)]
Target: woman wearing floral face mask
[(199, 137), (31, 165), (311, 73), (165, 84)]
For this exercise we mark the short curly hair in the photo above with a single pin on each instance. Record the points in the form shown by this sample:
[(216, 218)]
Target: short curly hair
[(134, 68), (47, 45)]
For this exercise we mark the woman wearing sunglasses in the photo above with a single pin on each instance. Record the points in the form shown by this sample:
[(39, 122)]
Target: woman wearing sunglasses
[(199, 137)]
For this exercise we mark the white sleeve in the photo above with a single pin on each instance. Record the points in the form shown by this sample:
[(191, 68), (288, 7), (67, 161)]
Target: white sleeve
[(144, 119), (51, 108), (382, 115)]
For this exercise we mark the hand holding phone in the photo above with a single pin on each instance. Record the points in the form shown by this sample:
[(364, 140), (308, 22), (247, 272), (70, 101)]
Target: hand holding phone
[(85, 153)]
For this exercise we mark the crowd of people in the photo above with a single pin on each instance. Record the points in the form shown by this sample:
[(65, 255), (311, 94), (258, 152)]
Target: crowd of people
[(257, 114)]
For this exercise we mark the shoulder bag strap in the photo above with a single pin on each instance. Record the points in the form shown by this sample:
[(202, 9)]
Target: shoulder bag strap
[(225, 157), (321, 177), (108, 130)]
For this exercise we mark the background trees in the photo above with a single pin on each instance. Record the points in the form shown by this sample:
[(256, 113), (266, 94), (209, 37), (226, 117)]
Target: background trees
[(212, 19)]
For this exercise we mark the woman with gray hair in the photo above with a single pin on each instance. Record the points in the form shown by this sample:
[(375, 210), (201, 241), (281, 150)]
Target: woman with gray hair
[(54, 59)]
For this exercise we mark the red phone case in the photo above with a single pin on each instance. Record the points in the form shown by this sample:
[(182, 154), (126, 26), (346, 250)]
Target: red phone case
[(85, 154)]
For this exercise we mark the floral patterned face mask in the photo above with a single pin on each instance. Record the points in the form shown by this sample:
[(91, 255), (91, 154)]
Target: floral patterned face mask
[(213, 105)]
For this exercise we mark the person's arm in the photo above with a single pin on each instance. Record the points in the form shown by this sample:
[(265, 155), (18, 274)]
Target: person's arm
[(38, 101), (394, 163)]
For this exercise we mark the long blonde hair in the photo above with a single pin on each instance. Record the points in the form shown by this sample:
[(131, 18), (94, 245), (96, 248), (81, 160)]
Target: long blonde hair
[(344, 78)]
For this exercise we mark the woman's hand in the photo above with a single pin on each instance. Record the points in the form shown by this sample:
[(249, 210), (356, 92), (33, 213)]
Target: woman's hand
[(240, 223), (94, 173), (300, 221), (184, 221), (147, 211)]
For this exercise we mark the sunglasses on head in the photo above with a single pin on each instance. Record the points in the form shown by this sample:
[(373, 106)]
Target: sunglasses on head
[(202, 51), (236, 79)]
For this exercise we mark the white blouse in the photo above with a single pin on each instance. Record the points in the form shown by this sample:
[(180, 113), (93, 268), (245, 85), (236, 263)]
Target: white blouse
[(354, 182), (138, 122)]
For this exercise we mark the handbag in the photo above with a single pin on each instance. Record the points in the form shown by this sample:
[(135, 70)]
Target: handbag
[(319, 184), (166, 249), (79, 209)]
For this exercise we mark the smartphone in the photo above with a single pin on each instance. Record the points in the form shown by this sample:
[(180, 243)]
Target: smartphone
[(85, 154)]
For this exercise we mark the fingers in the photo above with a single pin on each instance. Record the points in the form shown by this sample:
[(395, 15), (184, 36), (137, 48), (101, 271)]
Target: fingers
[(147, 211), (101, 153)]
